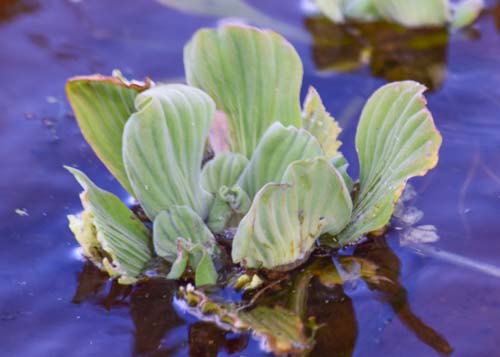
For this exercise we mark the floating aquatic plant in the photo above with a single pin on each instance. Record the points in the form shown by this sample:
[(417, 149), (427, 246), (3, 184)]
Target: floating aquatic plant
[(408, 13), (281, 185)]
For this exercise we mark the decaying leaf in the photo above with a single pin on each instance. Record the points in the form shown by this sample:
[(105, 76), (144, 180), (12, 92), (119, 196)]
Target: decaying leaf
[(279, 330), (253, 75), (396, 140), (102, 106), (163, 144), (110, 234)]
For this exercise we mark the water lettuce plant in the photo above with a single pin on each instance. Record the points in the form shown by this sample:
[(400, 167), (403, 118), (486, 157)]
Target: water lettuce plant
[(281, 185), (408, 13)]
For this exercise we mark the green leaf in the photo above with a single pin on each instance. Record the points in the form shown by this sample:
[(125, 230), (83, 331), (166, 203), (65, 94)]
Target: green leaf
[(223, 170), (205, 271), (102, 105), (333, 9), (180, 222), (285, 220), (466, 12), (341, 164), (320, 123), (163, 146), (362, 10), (396, 140), (230, 204), (111, 235), (414, 13), (180, 263), (253, 75), (278, 148)]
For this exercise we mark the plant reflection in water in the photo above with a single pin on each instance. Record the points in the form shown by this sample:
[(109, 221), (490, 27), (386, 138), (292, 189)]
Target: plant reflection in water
[(318, 291)]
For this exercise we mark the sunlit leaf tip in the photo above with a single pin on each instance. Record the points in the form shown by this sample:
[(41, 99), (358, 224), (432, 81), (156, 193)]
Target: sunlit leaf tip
[(396, 140), (253, 75), (320, 123), (109, 232)]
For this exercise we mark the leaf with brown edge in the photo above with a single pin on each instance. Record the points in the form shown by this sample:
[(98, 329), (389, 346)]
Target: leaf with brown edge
[(102, 106)]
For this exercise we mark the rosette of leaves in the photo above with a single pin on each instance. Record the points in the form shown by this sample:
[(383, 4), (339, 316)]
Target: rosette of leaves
[(282, 184), (409, 13)]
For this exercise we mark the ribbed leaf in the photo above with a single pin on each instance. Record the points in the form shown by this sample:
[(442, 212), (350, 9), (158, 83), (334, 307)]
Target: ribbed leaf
[(317, 121), (110, 234), (182, 238), (102, 105), (285, 220), (180, 222), (278, 148), (396, 140), (163, 146), (223, 170), (253, 75), (414, 13)]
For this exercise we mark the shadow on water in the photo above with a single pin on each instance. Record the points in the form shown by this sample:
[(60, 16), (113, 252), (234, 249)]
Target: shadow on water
[(314, 291), (391, 51)]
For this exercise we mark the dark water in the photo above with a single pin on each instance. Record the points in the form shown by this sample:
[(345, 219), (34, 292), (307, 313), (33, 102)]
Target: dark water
[(434, 303)]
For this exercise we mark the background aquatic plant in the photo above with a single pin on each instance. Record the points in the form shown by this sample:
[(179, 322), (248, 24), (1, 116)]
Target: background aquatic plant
[(408, 13), (284, 182)]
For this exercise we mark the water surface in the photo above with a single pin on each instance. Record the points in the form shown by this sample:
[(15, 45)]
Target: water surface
[(433, 306)]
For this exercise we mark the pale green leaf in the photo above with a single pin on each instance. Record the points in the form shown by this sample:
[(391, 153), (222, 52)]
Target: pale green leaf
[(253, 75), (180, 222), (333, 9), (396, 140), (341, 164), (102, 105), (230, 204), (278, 148), (279, 330), (223, 170), (466, 12), (285, 219), (163, 146), (205, 271), (236, 197), (362, 10), (220, 215), (320, 123), (111, 235), (180, 263), (415, 13)]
